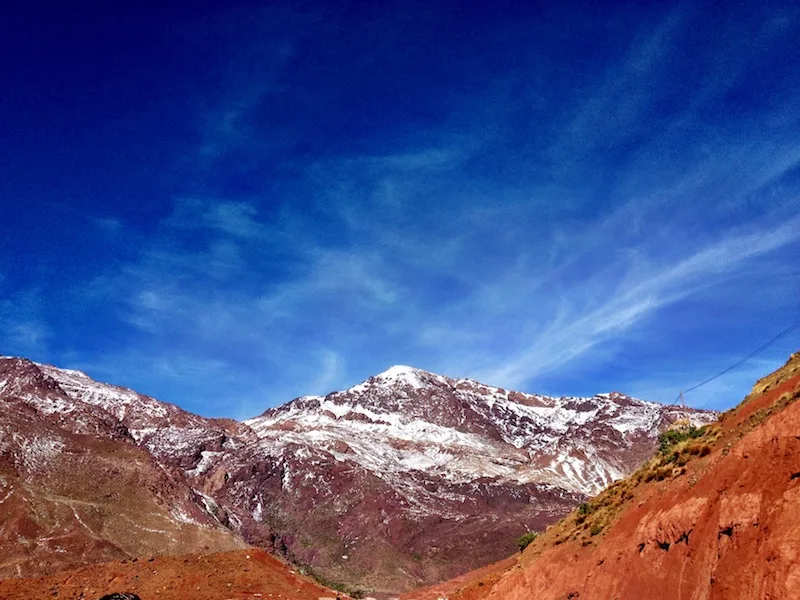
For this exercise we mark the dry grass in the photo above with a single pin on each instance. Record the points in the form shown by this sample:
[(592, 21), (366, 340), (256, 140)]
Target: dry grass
[(676, 451), (761, 415), (679, 453), (593, 517)]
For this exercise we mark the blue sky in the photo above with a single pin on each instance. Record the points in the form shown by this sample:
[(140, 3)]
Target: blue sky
[(229, 207)]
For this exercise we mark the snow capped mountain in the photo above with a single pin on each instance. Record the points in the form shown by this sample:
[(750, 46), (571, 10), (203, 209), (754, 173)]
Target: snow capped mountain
[(408, 419), (175, 436), (445, 456), (403, 479)]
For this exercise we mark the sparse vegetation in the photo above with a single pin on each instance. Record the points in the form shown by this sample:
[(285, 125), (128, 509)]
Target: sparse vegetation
[(352, 591), (762, 414), (676, 449), (584, 510), (525, 539), (671, 437), (681, 451)]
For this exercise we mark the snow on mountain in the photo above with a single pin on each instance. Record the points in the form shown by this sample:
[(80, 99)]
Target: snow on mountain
[(76, 488), (118, 401), (408, 419), (175, 436), (441, 451), (413, 476)]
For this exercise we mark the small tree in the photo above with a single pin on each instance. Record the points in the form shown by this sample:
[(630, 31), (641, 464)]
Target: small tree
[(525, 539)]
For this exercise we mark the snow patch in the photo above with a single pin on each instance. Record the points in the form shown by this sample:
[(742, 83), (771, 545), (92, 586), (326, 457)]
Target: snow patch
[(36, 453), (205, 463), (182, 516)]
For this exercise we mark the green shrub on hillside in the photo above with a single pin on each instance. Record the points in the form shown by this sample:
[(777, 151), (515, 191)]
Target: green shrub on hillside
[(596, 529), (671, 437), (525, 539)]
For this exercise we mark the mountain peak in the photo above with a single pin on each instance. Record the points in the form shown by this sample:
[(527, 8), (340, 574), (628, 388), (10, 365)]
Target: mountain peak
[(407, 376), (399, 370)]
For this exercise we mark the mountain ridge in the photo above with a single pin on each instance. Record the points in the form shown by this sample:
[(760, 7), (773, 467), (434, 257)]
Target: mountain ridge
[(402, 466), (75, 487)]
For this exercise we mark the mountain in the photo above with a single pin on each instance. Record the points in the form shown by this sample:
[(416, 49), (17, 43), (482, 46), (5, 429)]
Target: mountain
[(405, 479), (712, 515), (413, 476), (75, 487)]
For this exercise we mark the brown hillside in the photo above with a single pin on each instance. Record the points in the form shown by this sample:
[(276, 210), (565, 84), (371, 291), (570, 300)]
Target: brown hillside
[(236, 575), (710, 517), (75, 489)]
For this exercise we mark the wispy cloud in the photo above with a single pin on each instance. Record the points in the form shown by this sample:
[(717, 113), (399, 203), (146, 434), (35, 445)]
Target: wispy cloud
[(539, 223), (379, 301), (640, 292), (24, 330)]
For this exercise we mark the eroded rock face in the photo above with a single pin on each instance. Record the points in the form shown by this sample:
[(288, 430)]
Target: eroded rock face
[(727, 528), (406, 478), (672, 525)]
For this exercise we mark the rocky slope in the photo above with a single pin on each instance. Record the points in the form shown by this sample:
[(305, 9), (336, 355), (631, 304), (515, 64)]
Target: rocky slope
[(76, 488), (713, 515), (404, 479)]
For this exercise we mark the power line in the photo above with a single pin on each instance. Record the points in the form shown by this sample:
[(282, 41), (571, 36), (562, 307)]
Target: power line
[(781, 335)]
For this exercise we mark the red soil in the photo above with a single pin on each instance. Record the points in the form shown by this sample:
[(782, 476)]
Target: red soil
[(228, 575)]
